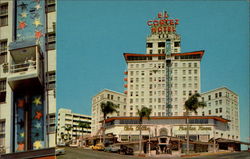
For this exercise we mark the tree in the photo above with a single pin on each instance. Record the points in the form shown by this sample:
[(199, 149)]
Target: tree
[(144, 112), (191, 105), (68, 128), (107, 108), (83, 124)]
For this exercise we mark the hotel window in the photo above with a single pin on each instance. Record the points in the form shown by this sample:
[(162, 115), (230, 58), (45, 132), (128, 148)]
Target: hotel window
[(131, 73), (189, 93), (137, 65), (131, 114), (195, 71), (220, 94), (184, 72), (184, 78), (51, 6), (220, 101), (142, 93), (195, 64), (142, 100), (216, 95), (176, 44), (3, 14), (124, 107), (51, 123), (51, 41), (175, 72), (131, 107), (2, 132), (131, 80), (189, 78), (184, 85), (51, 80), (220, 110), (131, 65), (209, 97), (195, 85), (137, 79), (142, 86), (142, 79), (161, 44), (2, 91), (203, 113), (142, 66), (3, 46), (150, 51), (131, 100), (184, 93), (209, 112), (183, 64), (189, 64), (216, 102), (216, 110), (149, 45), (175, 64), (118, 98), (189, 71), (189, 85)]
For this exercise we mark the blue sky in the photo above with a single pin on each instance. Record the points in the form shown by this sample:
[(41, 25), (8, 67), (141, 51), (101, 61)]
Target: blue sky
[(93, 35)]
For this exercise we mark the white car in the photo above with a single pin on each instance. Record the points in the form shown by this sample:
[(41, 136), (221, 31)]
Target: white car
[(60, 151)]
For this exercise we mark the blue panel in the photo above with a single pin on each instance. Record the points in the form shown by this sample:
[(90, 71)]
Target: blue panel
[(30, 21)]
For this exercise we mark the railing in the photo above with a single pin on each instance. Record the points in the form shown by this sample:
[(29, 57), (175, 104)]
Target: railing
[(23, 67)]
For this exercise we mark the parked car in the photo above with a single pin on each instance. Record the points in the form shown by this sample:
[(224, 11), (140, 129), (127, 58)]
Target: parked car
[(98, 147), (126, 150), (112, 148), (60, 151)]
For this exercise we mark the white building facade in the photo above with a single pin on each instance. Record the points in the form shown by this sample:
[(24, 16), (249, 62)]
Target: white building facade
[(117, 98), (66, 118), (27, 74), (163, 78), (225, 103)]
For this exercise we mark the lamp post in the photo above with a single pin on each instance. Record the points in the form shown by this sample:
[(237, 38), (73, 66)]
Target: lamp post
[(149, 148)]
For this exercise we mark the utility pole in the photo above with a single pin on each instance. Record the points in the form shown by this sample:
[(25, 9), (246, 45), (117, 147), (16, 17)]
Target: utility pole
[(149, 148)]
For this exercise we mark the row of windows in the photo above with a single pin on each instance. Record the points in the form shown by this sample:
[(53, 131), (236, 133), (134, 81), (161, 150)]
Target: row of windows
[(195, 64), (163, 44), (184, 72), (184, 78)]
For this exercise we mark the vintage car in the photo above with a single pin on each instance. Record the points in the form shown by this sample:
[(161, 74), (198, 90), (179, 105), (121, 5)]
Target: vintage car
[(98, 147), (112, 148)]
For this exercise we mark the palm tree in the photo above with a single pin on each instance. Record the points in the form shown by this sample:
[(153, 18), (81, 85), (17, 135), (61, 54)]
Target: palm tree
[(67, 128), (107, 108), (191, 105), (83, 124), (144, 112)]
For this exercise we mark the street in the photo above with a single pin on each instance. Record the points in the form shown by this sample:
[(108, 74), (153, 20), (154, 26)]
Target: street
[(77, 153)]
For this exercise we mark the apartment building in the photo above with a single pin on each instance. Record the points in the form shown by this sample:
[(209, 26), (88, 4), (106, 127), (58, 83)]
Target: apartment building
[(66, 118), (223, 102), (117, 98), (163, 78), (27, 74)]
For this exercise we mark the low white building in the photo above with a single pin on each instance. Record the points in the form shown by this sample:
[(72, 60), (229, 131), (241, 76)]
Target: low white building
[(117, 98), (66, 118), (202, 128), (225, 103)]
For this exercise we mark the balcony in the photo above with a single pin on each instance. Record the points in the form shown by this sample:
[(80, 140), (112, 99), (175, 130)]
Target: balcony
[(125, 85), (126, 73), (126, 79), (25, 65)]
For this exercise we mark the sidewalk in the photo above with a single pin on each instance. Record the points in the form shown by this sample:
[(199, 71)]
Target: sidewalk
[(205, 154)]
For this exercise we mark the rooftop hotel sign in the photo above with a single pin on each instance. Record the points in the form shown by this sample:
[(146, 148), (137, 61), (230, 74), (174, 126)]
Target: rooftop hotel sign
[(163, 24)]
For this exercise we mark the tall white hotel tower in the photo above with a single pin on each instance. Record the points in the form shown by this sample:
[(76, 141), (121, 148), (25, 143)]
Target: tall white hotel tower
[(163, 78)]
